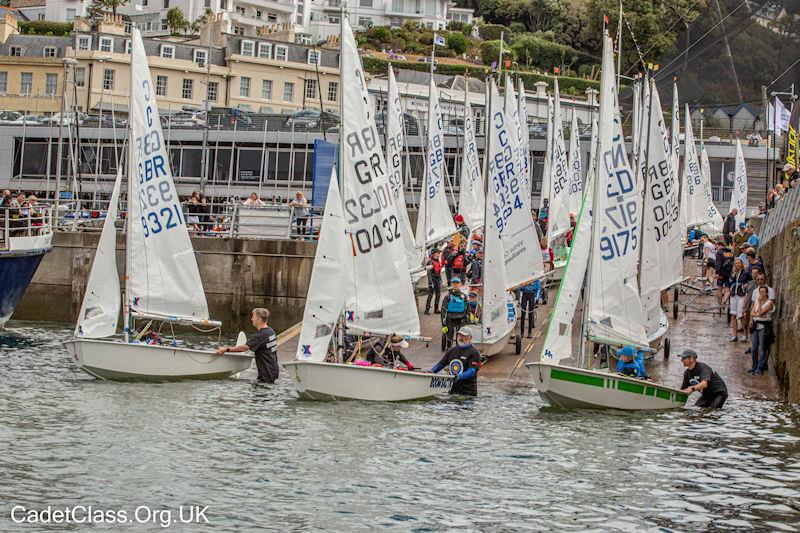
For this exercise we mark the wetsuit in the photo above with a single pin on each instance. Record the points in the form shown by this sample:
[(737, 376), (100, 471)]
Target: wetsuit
[(464, 363), (454, 315)]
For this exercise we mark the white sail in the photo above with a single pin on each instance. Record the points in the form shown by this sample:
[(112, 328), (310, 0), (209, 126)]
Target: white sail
[(693, 201), (739, 193), (433, 205), (511, 109), (101, 303), (558, 216), (715, 226), (575, 168), (471, 196), (328, 288), (511, 214), (164, 280), (547, 186), (675, 131), (662, 243), (395, 144), (525, 145), (495, 321), (558, 341), (382, 298), (615, 310), (636, 120)]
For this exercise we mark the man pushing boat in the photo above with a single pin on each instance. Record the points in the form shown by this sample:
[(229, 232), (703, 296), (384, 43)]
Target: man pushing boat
[(463, 361)]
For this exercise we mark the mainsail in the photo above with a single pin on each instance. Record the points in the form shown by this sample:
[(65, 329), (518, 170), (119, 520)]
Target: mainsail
[(615, 310), (328, 288), (716, 223), (438, 222), (525, 146), (471, 196), (693, 201), (739, 194), (575, 168), (101, 302), (495, 320), (511, 109), (395, 144), (382, 298), (163, 281), (558, 215), (510, 212), (547, 186)]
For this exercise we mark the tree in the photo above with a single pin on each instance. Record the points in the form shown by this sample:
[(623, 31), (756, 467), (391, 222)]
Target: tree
[(457, 43), (176, 21), (110, 5)]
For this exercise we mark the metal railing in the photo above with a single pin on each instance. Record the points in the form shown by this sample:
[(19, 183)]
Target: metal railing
[(781, 216), (24, 221)]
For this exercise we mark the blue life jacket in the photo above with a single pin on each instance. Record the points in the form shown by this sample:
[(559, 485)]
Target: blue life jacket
[(456, 304), (633, 369)]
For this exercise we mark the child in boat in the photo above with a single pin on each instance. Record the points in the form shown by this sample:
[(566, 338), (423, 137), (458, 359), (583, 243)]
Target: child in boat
[(631, 363), (387, 353)]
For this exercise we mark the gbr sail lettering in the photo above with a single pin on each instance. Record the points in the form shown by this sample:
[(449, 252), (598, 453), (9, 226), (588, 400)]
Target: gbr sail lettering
[(370, 214), (435, 157), (620, 233), (395, 163), (504, 174), (157, 199)]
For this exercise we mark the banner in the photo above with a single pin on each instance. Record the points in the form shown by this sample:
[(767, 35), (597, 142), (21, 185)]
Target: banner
[(791, 137)]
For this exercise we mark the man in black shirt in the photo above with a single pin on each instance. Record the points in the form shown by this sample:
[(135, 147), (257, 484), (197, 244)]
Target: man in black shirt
[(264, 343), (463, 361), (701, 377)]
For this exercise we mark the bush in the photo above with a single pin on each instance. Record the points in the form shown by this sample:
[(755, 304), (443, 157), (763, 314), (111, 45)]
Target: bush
[(457, 43), (517, 27), (456, 25), (45, 27), (379, 35), (534, 51), (490, 51), (491, 32)]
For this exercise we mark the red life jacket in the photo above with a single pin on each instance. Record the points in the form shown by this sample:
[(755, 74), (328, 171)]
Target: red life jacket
[(458, 262)]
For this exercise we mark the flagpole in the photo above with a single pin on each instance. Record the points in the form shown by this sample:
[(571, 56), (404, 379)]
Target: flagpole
[(500, 62)]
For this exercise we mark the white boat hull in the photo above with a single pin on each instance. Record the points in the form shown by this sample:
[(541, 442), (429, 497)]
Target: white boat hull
[(122, 361), (576, 388), (492, 346), (333, 381)]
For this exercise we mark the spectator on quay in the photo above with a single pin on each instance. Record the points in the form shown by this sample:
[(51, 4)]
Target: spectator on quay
[(738, 289), (771, 196), (739, 237), (790, 175), (754, 139), (754, 261), (6, 194), (761, 330), (193, 214), (729, 227), (254, 201), (301, 213), (709, 261), (724, 267), (779, 193), (204, 211), (752, 238)]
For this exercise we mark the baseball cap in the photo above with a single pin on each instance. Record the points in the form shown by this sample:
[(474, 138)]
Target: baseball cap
[(466, 331), (627, 351), (455, 279), (688, 352), (397, 341), (787, 167), (742, 225)]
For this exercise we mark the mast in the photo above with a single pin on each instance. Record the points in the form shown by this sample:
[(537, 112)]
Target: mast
[(126, 305), (486, 152), (644, 175), (340, 174)]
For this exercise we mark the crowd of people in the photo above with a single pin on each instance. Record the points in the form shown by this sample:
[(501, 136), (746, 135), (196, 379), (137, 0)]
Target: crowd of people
[(21, 213)]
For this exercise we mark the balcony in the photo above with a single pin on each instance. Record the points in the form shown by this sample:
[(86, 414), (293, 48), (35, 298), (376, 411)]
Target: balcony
[(269, 5), (332, 5), (246, 20)]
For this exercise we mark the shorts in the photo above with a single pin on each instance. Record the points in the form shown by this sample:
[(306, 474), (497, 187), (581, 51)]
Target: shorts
[(722, 282), (193, 219), (736, 307), (710, 263)]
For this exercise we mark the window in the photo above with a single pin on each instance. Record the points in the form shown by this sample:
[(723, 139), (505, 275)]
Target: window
[(303, 38), (161, 86), (84, 42), (144, 3), (200, 57), (108, 79), (70, 15), (15, 51), (127, 46), (288, 92), (164, 25), (213, 91), (258, 13), (272, 17), (26, 83), (365, 3), (365, 22), (166, 4), (106, 44), (247, 48), (265, 50), (266, 90), (51, 84), (208, 4), (299, 19), (240, 10), (244, 87), (3, 82), (126, 26), (187, 89), (50, 51), (313, 57), (311, 89), (333, 91), (238, 31), (167, 51), (79, 73), (282, 53)]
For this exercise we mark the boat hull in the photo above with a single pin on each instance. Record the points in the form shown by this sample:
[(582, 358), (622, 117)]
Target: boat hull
[(576, 388), (17, 268), (333, 381), (489, 347), (120, 361)]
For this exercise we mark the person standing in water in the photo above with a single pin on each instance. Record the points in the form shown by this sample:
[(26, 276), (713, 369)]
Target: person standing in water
[(463, 361), (264, 343)]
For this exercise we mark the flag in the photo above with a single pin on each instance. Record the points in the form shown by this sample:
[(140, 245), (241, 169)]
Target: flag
[(508, 63), (438, 40), (778, 116), (556, 70), (605, 19)]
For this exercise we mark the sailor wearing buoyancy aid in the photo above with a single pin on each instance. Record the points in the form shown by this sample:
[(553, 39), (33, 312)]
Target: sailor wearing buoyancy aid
[(631, 363), (455, 312)]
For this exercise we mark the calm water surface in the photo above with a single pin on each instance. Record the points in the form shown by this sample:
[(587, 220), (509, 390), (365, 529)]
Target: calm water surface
[(261, 459)]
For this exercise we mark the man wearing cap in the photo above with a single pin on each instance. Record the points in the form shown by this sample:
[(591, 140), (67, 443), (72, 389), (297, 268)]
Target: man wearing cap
[(790, 175), (388, 352), (631, 363), (752, 238), (739, 237), (454, 312), (729, 226), (463, 361), (701, 377)]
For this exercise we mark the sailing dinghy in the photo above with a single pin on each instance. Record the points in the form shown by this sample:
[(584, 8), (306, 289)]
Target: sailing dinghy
[(360, 269), (613, 313), (163, 283)]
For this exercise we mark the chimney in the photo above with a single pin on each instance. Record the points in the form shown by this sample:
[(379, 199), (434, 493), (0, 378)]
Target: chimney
[(541, 89), (111, 25), (8, 27)]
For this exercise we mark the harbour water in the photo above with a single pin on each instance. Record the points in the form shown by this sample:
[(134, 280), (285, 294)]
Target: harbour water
[(259, 458)]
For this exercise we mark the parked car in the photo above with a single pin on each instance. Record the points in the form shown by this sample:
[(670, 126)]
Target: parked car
[(411, 125), (68, 119), (453, 129), (103, 121), (15, 118), (186, 119), (311, 119), (228, 117), (538, 129)]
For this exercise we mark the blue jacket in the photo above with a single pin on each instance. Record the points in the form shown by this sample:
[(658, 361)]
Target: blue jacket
[(633, 369)]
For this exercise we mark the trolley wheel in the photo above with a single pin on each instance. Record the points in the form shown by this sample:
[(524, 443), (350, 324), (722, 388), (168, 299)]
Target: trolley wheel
[(666, 348), (518, 344), (675, 309)]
